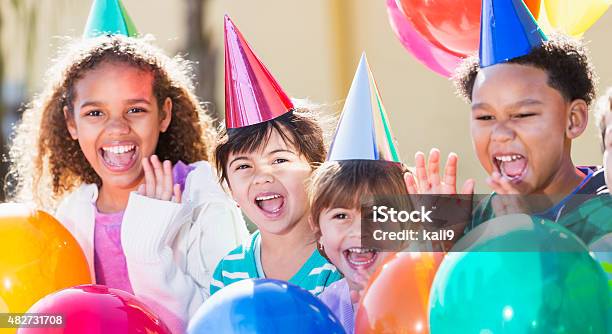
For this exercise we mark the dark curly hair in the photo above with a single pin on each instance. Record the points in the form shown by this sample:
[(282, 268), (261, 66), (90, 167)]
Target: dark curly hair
[(302, 128), (46, 162), (565, 60)]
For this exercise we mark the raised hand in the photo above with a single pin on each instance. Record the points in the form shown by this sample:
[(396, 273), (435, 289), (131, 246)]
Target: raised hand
[(159, 182), (453, 212), (428, 180), (508, 200)]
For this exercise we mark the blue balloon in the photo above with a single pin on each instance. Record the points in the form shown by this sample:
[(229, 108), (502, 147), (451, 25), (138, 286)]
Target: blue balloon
[(263, 306)]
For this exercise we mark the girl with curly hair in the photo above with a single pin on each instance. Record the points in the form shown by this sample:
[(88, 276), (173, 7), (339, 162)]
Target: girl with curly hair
[(120, 139)]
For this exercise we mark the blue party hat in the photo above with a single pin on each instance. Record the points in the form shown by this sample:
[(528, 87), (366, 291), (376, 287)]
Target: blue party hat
[(109, 17), (363, 132), (507, 31)]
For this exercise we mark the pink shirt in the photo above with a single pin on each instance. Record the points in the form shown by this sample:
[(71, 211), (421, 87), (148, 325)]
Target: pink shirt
[(109, 260), (111, 268)]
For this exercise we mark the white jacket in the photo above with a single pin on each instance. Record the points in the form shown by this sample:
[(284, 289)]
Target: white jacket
[(171, 249)]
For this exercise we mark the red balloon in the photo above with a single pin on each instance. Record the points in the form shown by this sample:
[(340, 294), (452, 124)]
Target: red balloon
[(396, 300), (452, 25), (96, 309), (436, 59)]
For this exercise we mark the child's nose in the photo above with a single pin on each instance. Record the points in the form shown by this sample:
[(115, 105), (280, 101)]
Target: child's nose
[(355, 228), (263, 175), (502, 132), (118, 126)]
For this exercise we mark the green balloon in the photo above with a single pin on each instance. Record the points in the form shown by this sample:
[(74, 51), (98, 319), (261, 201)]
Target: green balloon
[(554, 287), (602, 252)]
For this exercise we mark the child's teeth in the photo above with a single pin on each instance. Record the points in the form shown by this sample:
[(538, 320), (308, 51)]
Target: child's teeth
[(119, 149), (360, 262), (359, 250), (508, 158), (265, 198)]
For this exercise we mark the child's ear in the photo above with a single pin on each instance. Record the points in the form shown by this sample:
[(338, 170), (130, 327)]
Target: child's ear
[(70, 123), (166, 113), (313, 227), (578, 118)]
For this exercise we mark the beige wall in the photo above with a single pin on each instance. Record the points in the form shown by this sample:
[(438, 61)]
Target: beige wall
[(66, 18), (421, 105), (313, 47)]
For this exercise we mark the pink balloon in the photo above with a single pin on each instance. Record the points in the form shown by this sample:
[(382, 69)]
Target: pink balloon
[(96, 309), (436, 59)]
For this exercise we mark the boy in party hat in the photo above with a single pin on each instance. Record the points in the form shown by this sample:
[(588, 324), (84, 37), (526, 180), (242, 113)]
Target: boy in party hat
[(363, 164), (530, 97), (266, 153)]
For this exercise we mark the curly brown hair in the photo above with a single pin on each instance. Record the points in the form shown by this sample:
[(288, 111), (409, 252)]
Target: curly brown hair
[(565, 60), (46, 162)]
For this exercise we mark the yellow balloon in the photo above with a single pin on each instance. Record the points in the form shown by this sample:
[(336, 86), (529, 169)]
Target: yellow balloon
[(573, 17), (38, 256)]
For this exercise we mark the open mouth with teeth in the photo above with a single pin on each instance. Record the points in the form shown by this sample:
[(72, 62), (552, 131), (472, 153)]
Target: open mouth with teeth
[(270, 203), (119, 157), (511, 166), (358, 257)]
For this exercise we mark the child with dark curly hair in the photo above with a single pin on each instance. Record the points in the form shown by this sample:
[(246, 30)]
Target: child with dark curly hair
[(529, 101), (121, 140)]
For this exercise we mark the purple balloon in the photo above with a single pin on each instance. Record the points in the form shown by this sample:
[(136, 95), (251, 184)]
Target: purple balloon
[(437, 60)]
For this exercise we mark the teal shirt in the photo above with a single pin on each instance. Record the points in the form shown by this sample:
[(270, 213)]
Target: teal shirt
[(587, 211), (241, 263)]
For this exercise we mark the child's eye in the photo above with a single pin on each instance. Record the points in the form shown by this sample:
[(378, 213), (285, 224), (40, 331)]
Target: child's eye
[(135, 110), (243, 166), (484, 118), (524, 115), (94, 113), (280, 160), (341, 216)]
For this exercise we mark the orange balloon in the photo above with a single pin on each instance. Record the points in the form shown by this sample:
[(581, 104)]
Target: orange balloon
[(396, 300), (38, 256), (534, 7)]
